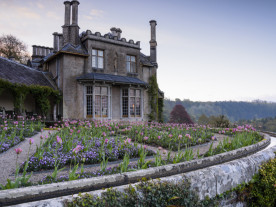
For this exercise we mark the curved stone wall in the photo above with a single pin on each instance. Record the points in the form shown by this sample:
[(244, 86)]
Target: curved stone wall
[(207, 181)]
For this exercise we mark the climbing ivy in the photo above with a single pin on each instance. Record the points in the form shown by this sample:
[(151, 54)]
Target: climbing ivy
[(42, 95), (156, 104)]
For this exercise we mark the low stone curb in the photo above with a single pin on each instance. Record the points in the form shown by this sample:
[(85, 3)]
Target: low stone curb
[(34, 193)]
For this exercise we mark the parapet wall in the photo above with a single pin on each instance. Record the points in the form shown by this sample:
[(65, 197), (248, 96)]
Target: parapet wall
[(208, 181)]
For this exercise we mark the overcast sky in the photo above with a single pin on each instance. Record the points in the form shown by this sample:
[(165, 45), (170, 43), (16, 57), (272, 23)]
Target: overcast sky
[(208, 50)]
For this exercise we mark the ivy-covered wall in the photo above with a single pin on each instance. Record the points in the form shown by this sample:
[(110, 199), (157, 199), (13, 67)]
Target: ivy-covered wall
[(41, 94), (156, 103)]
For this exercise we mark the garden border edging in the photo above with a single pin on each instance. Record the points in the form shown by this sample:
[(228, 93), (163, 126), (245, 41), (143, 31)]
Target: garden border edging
[(35, 193)]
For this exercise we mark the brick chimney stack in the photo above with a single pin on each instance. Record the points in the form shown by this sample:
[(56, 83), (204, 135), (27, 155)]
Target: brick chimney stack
[(153, 43)]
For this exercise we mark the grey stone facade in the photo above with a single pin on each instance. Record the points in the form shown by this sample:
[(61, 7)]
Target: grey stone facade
[(77, 55)]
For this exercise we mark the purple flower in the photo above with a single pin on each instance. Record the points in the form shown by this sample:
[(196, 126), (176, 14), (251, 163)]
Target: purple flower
[(31, 141), (59, 140), (18, 150)]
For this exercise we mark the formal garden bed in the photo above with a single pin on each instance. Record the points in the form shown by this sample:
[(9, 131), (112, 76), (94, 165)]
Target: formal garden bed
[(13, 132), (77, 144)]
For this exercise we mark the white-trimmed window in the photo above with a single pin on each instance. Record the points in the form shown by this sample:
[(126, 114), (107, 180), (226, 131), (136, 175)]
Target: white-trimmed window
[(97, 59), (89, 101), (131, 64), (131, 102), (97, 101)]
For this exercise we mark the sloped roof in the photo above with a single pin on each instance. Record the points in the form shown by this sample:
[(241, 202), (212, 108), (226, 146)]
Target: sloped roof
[(145, 60), (18, 73), (79, 49), (111, 78)]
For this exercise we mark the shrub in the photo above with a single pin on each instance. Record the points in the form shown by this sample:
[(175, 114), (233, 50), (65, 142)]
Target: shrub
[(261, 191), (148, 194)]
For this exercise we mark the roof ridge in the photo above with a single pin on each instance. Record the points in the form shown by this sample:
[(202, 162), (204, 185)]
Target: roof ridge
[(20, 64)]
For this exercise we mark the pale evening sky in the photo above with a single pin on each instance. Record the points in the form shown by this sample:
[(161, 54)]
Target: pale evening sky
[(208, 50)]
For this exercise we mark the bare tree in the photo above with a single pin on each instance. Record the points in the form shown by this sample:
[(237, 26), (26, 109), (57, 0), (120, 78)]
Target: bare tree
[(11, 46)]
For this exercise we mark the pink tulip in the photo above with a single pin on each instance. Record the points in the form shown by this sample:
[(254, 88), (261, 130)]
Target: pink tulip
[(18, 150)]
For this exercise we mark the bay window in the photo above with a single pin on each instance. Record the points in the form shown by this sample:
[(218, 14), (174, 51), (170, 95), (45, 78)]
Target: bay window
[(97, 101), (131, 102)]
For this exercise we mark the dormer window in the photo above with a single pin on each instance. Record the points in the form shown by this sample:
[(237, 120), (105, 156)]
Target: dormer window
[(131, 64), (97, 59)]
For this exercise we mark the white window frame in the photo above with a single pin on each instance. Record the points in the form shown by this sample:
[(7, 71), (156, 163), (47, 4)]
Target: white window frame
[(109, 104), (97, 58), (141, 103), (132, 65)]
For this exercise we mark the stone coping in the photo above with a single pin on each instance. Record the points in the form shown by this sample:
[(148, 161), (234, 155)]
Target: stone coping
[(40, 192)]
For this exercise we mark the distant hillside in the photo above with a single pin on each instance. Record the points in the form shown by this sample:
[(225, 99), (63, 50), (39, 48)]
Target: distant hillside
[(233, 110)]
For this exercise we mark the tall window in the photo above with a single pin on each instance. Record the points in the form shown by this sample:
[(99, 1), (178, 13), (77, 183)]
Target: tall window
[(131, 64), (89, 101), (125, 102), (97, 101), (101, 101), (131, 102), (97, 59)]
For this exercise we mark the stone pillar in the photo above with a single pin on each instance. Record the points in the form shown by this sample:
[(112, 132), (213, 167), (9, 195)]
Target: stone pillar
[(153, 43)]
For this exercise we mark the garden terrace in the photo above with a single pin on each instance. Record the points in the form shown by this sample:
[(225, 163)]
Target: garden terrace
[(93, 149)]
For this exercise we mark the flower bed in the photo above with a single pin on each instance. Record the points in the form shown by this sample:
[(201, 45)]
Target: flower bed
[(78, 143), (13, 132)]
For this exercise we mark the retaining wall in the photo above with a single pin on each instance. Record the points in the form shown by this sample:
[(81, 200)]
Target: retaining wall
[(209, 181)]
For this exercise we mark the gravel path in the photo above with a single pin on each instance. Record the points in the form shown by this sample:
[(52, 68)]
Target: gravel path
[(8, 158), (8, 170)]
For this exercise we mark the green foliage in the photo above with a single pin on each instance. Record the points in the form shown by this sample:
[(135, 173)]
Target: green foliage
[(232, 109), (219, 121), (156, 103), (41, 94), (261, 190), (238, 141), (147, 193), (265, 124)]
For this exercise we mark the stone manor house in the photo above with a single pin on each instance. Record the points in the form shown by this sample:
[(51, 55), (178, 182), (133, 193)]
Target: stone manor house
[(99, 76)]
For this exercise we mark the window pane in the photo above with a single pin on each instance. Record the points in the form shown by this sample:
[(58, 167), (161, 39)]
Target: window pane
[(104, 106), (138, 93), (125, 106), (100, 62), (138, 106), (128, 58), (133, 67), (98, 90), (100, 53), (128, 66), (94, 52), (131, 92), (133, 59), (89, 90), (104, 91), (97, 106), (94, 63), (125, 92), (132, 106), (89, 106)]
